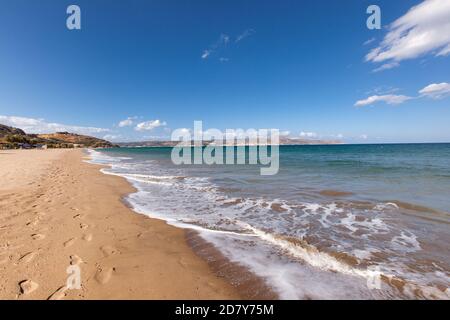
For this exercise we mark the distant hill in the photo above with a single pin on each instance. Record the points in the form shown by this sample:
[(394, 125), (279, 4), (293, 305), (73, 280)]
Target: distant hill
[(79, 139), (5, 130), (283, 141), (11, 138)]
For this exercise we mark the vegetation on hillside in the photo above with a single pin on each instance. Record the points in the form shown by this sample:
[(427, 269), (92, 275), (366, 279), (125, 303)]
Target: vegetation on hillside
[(14, 138)]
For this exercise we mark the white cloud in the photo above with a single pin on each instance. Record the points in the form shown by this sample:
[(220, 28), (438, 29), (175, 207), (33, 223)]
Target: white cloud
[(386, 66), (436, 90), (222, 41), (247, 33), (308, 134), (112, 137), (424, 29), (369, 41), (149, 125), (127, 122), (206, 54), (32, 125), (363, 136), (388, 98), (444, 51), (184, 131)]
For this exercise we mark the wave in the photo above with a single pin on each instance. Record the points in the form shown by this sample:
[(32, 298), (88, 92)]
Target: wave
[(352, 239)]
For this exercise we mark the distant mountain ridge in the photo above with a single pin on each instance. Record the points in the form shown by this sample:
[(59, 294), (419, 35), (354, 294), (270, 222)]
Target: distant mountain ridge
[(283, 141), (11, 138)]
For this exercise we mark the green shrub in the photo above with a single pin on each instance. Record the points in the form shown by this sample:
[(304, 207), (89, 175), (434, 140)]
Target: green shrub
[(16, 138)]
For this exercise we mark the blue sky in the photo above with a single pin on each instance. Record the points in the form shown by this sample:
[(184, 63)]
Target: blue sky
[(301, 66)]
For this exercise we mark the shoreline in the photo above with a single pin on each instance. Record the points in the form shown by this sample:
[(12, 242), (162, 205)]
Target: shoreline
[(174, 201), (242, 279), (61, 211)]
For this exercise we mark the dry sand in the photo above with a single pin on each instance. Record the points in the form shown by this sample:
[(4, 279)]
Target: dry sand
[(57, 211)]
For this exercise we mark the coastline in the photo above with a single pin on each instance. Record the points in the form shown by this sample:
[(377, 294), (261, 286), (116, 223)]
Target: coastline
[(58, 211)]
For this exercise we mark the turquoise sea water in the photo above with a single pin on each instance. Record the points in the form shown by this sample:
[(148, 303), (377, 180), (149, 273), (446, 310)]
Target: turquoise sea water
[(327, 225)]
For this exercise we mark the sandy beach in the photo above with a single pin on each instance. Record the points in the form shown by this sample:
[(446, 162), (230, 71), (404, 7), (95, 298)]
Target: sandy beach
[(57, 211)]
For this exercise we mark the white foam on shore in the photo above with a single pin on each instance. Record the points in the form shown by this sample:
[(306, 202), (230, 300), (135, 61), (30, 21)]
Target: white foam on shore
[(219, 220)]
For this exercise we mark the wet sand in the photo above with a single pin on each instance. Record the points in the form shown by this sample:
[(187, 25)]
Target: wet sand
[(57, 211)]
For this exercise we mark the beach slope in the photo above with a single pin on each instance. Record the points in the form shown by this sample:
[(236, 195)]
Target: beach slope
[(57, 211)]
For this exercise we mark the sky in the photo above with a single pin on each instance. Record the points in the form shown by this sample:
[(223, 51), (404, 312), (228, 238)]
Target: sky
[(137, 70)]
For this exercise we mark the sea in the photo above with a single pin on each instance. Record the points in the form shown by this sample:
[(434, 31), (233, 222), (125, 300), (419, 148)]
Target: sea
[(336, 222)]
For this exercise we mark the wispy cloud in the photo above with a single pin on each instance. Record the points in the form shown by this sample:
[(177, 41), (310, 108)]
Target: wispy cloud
[(206, 54), (369, 41), (381, 90), (222, 41), (424, 29), (304, 134), (149, 125), (436, 90), (127, 122), (386, 66), (388, 98), (433, 91), (33, 125), (112, 137), (247, 33)]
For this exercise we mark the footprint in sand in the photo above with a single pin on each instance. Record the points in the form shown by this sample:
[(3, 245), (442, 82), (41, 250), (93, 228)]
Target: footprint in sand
[(41, 215), (69, 242), (183, 262), (83, 226), (38, 236), (28, 257), (75, 260), (58, 294), (32, 223), (27, 286), (109, 250), (87, 237), (103, 276)]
